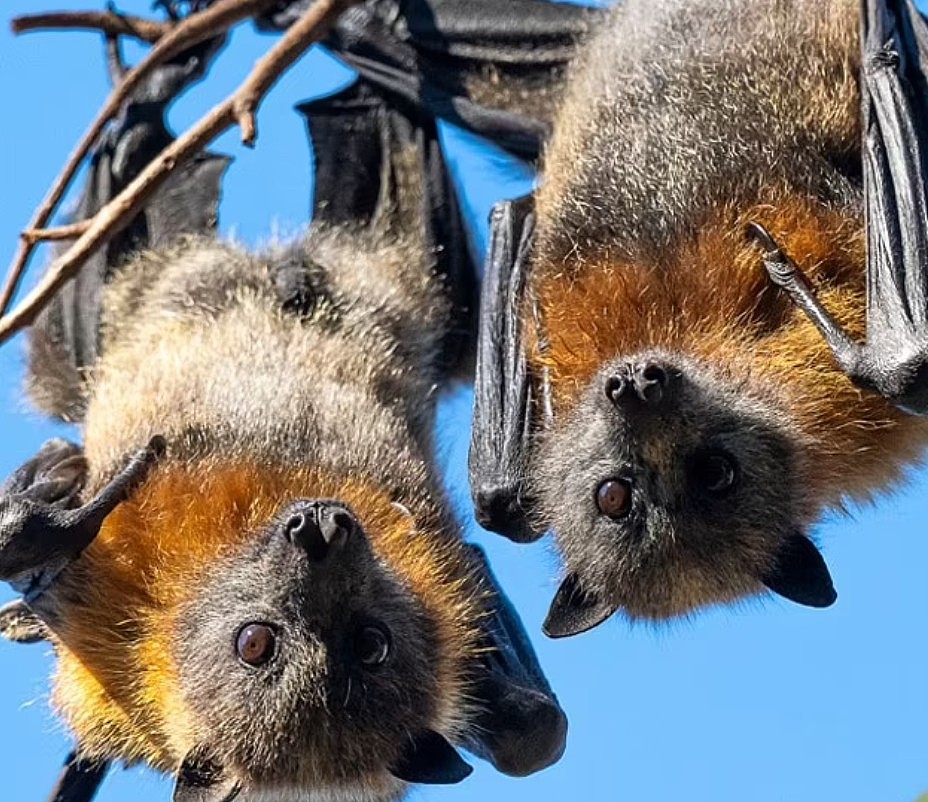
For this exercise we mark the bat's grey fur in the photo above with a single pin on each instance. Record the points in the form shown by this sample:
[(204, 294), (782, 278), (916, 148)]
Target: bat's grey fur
[(678, 106)]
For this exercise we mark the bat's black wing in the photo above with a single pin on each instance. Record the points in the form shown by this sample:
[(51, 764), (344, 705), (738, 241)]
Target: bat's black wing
[(64, 341), (42, 527), (894, 359), (351, 137), (493, 68), (503, 389), (357, 135), (522, 728)]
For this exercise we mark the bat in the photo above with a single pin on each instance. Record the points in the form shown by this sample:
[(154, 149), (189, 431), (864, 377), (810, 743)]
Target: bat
[(669, 375), (404, 641), (340, 474)]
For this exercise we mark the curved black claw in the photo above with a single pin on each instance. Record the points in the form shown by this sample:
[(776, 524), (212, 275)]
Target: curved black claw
[(782, 270), (39, 538)]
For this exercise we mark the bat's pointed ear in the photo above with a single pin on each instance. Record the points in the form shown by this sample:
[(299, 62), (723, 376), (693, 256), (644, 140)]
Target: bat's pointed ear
[(800, 574), (575, 610), (201, 779), (430, 759), (18, 623)]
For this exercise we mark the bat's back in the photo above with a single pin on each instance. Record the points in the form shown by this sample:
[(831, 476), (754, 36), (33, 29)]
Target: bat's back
[(677, 108)]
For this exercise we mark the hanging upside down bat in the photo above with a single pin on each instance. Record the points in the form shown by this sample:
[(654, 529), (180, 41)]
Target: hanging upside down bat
[(669, 372), (248, 570)]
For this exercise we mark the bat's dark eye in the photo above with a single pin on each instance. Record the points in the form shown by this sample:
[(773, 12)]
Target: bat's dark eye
[(255, 644), (614, 497), (715, 472), (371, 646)]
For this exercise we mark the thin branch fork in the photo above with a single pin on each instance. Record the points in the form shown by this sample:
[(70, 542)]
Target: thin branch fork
[(110, 23), (194, 29), (239, 109), (72, 231)]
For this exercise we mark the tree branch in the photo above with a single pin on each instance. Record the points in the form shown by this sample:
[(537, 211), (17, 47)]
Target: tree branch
[(72, 231), (238, 108), (110, 23), (194, 29)]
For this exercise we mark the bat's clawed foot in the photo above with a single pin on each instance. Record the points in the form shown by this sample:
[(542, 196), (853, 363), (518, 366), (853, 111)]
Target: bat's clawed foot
[(55, 475)]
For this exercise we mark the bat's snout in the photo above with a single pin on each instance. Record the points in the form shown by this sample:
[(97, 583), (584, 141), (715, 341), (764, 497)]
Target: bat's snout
[(320, 528), (648, 382)]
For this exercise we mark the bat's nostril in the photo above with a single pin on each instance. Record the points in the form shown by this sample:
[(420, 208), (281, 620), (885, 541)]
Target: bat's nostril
[(303, 530), (337, 525), (654, 373), (298, 526), (295, 525), (651, 381), (632, 384), (616, 387)]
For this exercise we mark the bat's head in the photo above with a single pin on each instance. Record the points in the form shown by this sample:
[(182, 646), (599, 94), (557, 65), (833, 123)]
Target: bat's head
[(306, 661), (271, 634), (668, 489)]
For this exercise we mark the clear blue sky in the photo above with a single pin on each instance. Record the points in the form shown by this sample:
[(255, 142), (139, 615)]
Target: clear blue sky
[(765, 703)]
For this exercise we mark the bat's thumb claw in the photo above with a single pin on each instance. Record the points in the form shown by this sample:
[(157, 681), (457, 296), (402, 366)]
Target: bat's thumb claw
[(757, 232), (156, 448)]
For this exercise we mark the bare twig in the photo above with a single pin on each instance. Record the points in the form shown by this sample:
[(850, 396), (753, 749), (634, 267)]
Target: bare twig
[(72, 231), (194, 29), (109, 22), (298, 39), (238, 108)]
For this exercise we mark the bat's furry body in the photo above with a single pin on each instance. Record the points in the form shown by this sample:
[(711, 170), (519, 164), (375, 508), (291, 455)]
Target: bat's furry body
[(261, 406), (684, 122)]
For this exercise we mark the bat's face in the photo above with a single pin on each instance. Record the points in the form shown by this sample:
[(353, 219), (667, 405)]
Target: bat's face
[(306, 662), (669, 489)]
